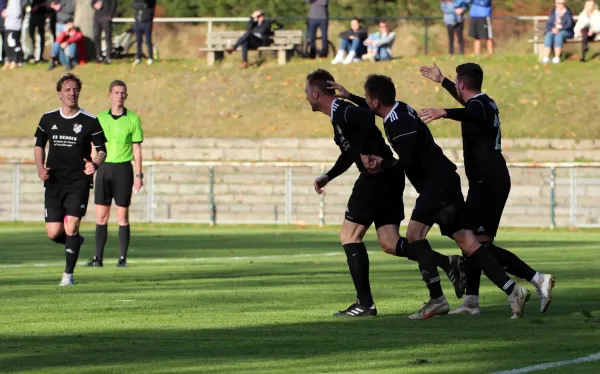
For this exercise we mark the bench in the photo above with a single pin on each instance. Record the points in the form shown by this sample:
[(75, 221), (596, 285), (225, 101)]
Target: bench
[(539, 33), (283, 42)]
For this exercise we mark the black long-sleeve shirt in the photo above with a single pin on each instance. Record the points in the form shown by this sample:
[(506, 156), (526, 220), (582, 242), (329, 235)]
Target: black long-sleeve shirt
[(481, 135), (355, 133), (108, 10), (418, 155)]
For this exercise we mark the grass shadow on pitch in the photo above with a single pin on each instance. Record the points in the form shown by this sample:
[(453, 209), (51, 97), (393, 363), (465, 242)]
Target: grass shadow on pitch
[(202, 346)]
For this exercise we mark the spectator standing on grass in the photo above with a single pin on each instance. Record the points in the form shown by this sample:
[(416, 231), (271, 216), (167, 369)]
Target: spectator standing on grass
[(351, 44), (453, 18), (588, 25), (481, 25), (105, 10), (69, 48), (258, 33), (318, 17), (13, 22), (37, 24), (65, 13), (558, 28), (379, 44), (2, 34), (143, 14)]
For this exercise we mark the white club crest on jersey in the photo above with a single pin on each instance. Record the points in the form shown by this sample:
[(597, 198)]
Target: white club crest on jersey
[(77, 128)]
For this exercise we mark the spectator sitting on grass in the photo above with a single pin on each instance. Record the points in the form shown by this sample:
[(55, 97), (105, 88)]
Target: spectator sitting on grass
[(558, 28), (258, 34), (588, 25), (379, 44), (351, 43), (69, 48)]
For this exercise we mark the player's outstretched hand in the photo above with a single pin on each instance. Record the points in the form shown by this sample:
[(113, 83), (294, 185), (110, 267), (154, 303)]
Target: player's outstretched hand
[(371, 163), (342, 92), (89, 167), (320, 182), (44, 173), (432, 72), (430, 114)]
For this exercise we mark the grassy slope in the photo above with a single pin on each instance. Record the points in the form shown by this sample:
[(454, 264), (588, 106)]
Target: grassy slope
[(186, 99), (221, 315)]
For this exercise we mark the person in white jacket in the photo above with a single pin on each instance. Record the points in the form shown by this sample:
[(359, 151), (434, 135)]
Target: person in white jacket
[(13, 21), (588, 25)]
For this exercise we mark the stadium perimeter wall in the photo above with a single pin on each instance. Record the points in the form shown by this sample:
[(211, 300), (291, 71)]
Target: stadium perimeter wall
[(252, 194)]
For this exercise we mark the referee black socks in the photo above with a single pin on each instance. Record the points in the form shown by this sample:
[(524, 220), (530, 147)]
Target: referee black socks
[(124, 236), (101, 236), (358, 263), (72, 246)]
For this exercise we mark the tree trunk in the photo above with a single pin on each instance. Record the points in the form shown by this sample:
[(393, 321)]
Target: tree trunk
[(84, 19)]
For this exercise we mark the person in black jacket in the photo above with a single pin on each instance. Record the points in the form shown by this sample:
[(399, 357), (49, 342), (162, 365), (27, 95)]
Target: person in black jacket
[(143, 14), (105, 11), (351, 42), (258, 33), (2, 42)]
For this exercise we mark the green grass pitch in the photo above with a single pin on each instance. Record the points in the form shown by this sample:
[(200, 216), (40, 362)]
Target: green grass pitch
[(259, 300)]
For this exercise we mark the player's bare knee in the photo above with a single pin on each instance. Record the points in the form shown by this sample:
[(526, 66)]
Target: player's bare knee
[(349, 237), (388, 247), (414, 236), (122, 216), (72, 227)]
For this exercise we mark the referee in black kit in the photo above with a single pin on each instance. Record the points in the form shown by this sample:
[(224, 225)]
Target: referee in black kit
[(115, 180), (67, 172)]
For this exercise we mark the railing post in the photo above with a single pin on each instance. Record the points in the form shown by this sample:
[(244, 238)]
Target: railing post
[(535, 36), (322, 204), (552, 197), (16, 190), (288, 195), (211, 196), (426, 41), (209, 25), (150, 193), (573, 200)]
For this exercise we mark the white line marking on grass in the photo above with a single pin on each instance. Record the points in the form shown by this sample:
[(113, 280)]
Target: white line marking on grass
[(528, 369), (200, 259), (124, 300)]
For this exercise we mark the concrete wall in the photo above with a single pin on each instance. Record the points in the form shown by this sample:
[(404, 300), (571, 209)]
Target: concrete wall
[(258, 194)]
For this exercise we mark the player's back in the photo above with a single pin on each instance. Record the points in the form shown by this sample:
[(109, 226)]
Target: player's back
[(418, 154), (482, 140), (356, 133)]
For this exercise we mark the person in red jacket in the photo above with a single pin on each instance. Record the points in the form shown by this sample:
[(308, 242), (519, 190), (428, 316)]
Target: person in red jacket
[(69, 48)]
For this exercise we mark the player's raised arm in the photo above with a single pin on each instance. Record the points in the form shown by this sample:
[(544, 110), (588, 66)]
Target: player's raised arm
[(434, 74), (474, 111), (343, 93)]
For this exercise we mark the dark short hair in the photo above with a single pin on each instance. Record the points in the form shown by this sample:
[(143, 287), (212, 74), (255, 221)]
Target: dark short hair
[(68, 77), (471, 75), (116, 83), (319, 78), (382, 88), (356, 19)]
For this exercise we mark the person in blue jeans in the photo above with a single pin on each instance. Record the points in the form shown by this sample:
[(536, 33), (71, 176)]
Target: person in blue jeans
[(351, 43), (318, 17), (64, 50), (560, 26), (379, 44), (143, 15)]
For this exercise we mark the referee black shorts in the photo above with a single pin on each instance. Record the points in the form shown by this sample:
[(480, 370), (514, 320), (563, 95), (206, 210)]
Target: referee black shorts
[(377, 199), (485, 204), (114, 181), (441, 201), (481, 28), (66, 200)]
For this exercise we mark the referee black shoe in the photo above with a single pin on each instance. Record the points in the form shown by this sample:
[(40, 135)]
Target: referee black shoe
[(96, 263), (357, 310), (122, 263), (457, 275)]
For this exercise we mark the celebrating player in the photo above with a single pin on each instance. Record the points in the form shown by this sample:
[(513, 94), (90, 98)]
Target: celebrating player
[(115, 179), (440, 197), (489, 179), (375, 198), (68, 171)]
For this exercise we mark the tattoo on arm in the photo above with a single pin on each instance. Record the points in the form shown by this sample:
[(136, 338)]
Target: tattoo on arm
[(100, 157)]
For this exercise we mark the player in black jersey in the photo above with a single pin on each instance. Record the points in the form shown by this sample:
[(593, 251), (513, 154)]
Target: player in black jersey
[(440, 197), (489, 179), (68, 171), (375, 198)]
